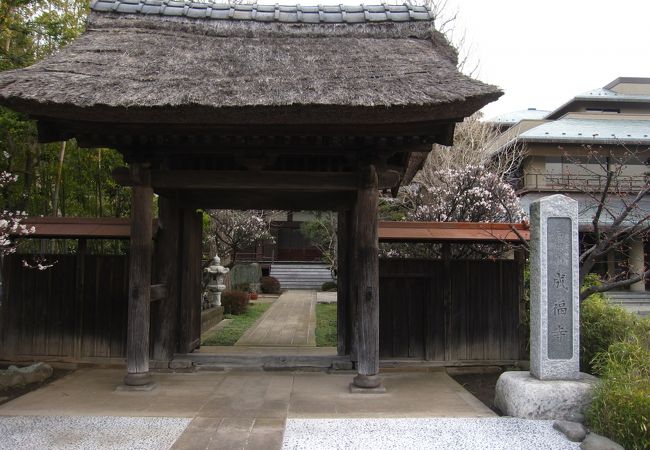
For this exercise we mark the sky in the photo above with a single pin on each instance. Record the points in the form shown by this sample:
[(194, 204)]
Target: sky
[(542, 53)]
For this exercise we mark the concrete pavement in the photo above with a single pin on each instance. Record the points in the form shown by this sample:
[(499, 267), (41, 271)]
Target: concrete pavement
[(243, 410), (290, 321)]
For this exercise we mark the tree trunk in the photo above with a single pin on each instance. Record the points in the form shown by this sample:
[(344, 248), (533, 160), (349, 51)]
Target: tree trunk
[(57, 183)]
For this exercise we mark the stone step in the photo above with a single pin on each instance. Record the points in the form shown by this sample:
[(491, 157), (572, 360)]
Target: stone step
[(301, 275), (634, 302), (628, 295), (209, 361)]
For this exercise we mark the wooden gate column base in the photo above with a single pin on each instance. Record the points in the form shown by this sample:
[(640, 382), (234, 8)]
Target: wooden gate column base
[(367, 384), (137, 382)]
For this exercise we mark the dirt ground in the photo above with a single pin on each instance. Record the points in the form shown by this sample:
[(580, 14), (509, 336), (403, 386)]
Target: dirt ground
[(7, 395), (481, 385)]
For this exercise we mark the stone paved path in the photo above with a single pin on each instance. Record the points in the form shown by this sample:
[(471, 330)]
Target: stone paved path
[(290, 321), (225, 410)]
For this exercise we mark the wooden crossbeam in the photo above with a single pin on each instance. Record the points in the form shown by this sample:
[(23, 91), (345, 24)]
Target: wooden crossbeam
[(252, 180), (452, 232), (267, 199)]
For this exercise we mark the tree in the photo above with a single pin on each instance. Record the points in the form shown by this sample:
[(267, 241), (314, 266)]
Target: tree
[(10, 221), (58, 178), (615, 203), (469, 194), (234, 231), (321, 231), (470, 148)]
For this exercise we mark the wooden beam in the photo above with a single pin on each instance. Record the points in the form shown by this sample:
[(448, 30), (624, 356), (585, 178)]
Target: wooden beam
[(137, 338), (367, 263), (267, 199), (253, 180), (213, 136), (81, 227), (452, 231)]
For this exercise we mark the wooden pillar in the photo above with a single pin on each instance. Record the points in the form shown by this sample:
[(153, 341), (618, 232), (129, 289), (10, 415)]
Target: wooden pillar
[(137, 338), (167, 251), (80, 275), (353, 273), (524, 311), (191, 275), (367, 263), (343, 283)]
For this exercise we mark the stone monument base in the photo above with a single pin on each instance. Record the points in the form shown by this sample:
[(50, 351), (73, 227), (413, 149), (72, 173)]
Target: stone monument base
[(519, 394)]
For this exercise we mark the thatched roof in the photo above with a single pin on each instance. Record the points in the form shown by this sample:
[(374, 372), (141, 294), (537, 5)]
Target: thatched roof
[(174, 62)]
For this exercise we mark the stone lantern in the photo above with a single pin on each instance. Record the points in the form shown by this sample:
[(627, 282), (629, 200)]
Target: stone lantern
[(216, 272)]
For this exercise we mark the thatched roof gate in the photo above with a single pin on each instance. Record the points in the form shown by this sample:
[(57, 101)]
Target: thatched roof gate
[(251, 106)]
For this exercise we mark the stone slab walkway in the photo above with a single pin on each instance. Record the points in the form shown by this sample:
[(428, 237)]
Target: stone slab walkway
[(290, 321), (267, 351), (232, 410)]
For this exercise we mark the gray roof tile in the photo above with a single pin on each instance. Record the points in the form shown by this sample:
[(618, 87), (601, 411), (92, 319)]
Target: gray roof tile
[(268, 13), (594, 131)]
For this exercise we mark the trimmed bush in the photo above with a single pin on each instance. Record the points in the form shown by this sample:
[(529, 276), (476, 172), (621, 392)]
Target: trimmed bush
[(621, 405), (328, 286), (244, 287), (601, 325), (234, 302), (270, 285)]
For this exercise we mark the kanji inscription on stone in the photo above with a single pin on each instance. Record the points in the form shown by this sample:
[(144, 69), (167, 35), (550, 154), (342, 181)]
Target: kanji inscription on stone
[(559, 288)]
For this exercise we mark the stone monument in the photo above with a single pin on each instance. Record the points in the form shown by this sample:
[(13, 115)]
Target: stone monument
[(216, 272), (554, 388)]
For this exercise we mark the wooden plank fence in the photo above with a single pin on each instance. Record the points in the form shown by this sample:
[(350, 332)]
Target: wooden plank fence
[(451, 312), (76, 310), (457, 311)]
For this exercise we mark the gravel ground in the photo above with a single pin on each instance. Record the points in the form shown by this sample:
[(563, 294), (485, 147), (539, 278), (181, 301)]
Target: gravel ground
[(449, 434), (101, 433)]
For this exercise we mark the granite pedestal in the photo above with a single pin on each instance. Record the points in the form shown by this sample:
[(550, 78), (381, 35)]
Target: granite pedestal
[(519, 394)]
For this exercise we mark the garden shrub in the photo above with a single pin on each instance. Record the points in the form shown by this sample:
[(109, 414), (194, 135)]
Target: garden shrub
[(601, 325), (621, 405), (234, 302), (244, 287), (328, 286), (270, 285)]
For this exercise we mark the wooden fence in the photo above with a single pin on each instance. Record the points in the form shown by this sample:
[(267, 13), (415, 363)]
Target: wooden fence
[(454, 311), (77, 309)]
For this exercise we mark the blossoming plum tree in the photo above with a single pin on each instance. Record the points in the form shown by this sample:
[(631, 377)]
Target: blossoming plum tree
[(11, 225), (234, 231)]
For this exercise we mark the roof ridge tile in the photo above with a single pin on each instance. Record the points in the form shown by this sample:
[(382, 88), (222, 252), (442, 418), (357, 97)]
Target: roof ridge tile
[(269, 13)]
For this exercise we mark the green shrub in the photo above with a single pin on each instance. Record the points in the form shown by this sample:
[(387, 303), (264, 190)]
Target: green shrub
[(621, 405), (244, 287), (234, 302), (270, 285), (601, 325), (328, 286)]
